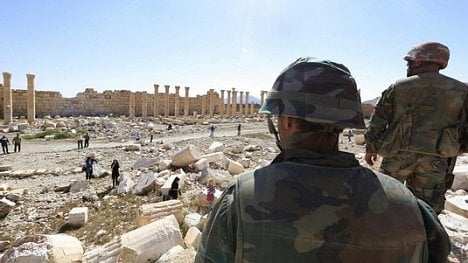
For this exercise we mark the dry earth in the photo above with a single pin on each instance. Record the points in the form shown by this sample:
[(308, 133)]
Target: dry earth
[(43, 210)]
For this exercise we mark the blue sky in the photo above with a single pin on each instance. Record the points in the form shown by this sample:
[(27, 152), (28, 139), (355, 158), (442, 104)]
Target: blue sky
[(114, 45)]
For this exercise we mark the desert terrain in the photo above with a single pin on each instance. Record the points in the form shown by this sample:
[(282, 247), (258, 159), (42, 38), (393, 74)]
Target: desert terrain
[(40, 179)]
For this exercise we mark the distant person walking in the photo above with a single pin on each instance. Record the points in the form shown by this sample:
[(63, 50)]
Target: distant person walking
[(4, 140), (79, 139), (90, 160), (169, 127), (174, 192), (17, 142), (115, 173), (137, 136), (151, 136), (212, 129), (86, 140), (239, 130), (349, 135)]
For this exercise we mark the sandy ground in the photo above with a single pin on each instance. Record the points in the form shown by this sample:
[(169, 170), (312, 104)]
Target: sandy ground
[(41, 210)]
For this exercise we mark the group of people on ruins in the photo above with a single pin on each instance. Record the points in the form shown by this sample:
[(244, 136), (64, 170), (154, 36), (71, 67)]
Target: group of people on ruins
[(88, 168), (5, 142), (80, 138), (88, 165)]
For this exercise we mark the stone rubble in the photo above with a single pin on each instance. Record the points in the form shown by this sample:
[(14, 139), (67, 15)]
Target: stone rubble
[(126, 222)]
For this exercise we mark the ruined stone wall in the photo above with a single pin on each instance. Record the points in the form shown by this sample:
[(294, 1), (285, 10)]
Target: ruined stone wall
[(88, 103), (92, 103)]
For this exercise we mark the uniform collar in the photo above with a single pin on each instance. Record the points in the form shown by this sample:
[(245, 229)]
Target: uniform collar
[(335, 159)]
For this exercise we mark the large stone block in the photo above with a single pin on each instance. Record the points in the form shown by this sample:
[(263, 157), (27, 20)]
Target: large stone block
[(178, 254), (192, 220), (59, 248), (216, 147), (461, 178), (148, 213), (78, 216), (201, 164), (232, 167), (457, 204), (193, 237), (5, 207), (213, 157), (152, 240), (145, 184), (185, 156)]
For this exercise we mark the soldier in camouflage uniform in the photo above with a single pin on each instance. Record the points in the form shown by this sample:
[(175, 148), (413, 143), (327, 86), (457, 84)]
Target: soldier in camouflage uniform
[(314, 203), (419, 125)]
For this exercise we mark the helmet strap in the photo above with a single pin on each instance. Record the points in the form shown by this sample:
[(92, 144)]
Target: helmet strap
[(274, 131)]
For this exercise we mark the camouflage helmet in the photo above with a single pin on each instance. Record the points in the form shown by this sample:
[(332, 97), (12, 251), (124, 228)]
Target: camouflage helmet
[(431, 52), (318, 91)]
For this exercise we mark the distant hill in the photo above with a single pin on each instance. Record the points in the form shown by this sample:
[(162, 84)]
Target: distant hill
[(253, 99), (372, 102)]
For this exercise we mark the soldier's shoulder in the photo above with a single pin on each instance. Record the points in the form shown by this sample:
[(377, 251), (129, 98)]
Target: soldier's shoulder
[(391, 184)]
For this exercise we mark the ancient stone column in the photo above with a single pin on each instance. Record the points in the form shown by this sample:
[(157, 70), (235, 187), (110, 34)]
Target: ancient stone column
[(156, 101), (211, 101), (234, 102), (31, 105), (241, 98), (246, 103), (222, 110), (7, 98), (186, 101), (252, 109), (203, 105), (176, 101), (131, 105), (228, 103), (166, 101), (144, 104), (262, 97)]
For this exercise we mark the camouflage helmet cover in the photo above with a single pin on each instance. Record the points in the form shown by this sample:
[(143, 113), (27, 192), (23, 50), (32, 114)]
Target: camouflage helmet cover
[(318, 91), (431, 52)]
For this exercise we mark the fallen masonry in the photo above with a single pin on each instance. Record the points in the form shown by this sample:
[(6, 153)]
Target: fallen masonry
[(124, 223)]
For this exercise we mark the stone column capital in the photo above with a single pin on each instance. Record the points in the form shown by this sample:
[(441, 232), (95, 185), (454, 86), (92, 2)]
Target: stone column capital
[(6, 74), (156, 86), (30, 76)]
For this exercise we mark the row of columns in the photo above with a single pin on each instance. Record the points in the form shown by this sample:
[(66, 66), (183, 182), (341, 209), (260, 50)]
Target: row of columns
[(207, 103), (226, 109), (156, 102), (8, 98), (230, 108)]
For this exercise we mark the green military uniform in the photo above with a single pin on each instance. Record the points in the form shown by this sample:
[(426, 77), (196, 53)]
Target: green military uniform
[(329, 209), (417, 126), (314, 203)]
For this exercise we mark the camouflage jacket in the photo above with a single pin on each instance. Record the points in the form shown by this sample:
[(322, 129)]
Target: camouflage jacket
[(310, 207), (425, 114)]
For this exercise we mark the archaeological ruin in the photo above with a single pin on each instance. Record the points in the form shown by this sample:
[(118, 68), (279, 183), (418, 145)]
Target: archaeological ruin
[(17, 103)]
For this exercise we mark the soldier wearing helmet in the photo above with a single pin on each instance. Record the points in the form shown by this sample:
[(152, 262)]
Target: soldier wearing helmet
[(419, 125), (314, 203)]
